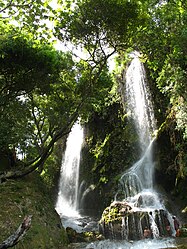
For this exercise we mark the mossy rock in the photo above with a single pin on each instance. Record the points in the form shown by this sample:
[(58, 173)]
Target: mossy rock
[(114, 212)]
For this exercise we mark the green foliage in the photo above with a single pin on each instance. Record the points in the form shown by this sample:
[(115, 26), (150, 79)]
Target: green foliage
[(25, 66), (183, 232), (32, 16), (111, 142), (43, 91), (28, 196), (100, 27), (50, 173), (37, 87), (96, 87), (25, 63), (92, 18), (111, 215)]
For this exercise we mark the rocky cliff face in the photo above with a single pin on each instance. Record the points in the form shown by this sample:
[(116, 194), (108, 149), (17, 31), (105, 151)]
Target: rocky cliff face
[(110, 147)]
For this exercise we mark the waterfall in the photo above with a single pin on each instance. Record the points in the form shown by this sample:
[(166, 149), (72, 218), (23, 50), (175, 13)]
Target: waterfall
[(67, 201), (136, 199), (138, 180), (139, 177), (139, 104)]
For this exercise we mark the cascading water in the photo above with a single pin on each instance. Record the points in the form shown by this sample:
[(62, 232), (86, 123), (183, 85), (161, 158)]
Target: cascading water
[(139, 104), (67, 202), (139, 107), (138, 180), (137, 205), (67, 205)]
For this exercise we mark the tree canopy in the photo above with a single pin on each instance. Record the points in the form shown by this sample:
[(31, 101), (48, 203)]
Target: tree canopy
[(41, 97), (43, 91)]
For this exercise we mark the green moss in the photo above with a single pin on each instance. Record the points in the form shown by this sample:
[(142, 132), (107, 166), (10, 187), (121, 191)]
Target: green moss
[(111, 215), (28, 196)]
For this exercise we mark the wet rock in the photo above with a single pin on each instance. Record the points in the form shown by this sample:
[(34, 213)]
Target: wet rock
[(121, 221), (76, 237)]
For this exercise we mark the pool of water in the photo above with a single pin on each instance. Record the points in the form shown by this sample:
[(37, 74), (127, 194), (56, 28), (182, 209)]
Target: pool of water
[(142, 244)]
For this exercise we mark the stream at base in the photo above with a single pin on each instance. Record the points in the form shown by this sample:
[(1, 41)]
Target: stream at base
[(89, 224), (141, 244), (144, 244)]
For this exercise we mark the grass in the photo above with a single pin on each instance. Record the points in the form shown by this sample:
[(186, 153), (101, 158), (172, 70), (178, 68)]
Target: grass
[(28, 196)]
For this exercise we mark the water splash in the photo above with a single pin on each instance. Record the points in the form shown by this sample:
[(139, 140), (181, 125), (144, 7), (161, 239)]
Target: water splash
[(144, 244)]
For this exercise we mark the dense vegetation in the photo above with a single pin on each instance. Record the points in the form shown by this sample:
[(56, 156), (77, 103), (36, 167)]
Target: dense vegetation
[(44, 91)]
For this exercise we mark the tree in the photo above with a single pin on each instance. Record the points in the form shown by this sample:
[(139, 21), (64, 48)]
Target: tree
[(59, 88), (35, 81), (32, 16), (101, 27), (13, 239), (42, 94)]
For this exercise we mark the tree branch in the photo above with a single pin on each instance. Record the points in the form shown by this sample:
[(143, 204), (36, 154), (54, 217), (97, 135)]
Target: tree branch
[(13, 239), (6, 7), (36, 163)]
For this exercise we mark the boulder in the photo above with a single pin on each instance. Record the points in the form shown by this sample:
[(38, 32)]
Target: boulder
[(121, 221)]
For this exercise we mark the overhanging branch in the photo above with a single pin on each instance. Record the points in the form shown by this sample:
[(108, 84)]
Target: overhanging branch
[(30, 167)]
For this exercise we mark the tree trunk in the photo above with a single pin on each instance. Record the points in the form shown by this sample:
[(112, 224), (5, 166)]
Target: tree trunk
[(38, 161)]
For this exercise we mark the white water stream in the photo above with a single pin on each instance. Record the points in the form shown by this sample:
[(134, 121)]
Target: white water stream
[(139, 104), (67, 201), (137, 183), (143, 244), (138, 180)]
